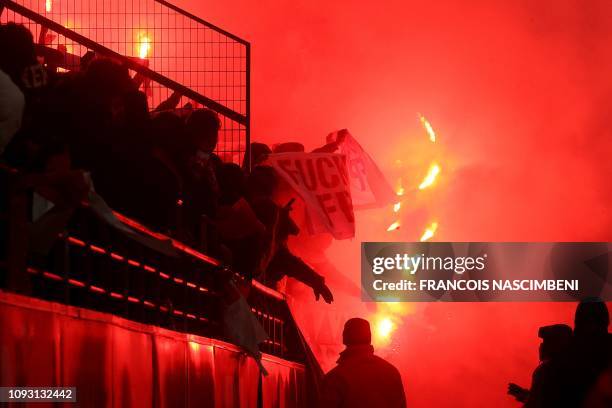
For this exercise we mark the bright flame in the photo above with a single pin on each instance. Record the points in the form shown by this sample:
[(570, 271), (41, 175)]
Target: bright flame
[(144, 47), (384, 328), (397, 206), (430, 178), (430, 131), (48, 5), (393, 226), (194, 346), (387, 319), (429, 231)]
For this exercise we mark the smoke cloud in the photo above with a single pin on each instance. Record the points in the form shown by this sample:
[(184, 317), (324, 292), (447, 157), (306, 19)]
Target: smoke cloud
[(519, 93)]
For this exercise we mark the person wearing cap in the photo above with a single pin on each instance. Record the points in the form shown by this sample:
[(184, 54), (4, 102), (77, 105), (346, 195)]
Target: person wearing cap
[(361, 379)]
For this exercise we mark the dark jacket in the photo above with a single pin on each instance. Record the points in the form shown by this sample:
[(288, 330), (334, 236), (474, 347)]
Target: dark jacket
[(362, 379)]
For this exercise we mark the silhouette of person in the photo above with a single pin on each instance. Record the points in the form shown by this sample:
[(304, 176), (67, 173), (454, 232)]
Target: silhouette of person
[(591, 350), (577, 375), (548, 378), (280, 261), (361, 379)]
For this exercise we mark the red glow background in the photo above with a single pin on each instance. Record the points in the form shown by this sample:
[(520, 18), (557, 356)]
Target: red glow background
[(519, 93)]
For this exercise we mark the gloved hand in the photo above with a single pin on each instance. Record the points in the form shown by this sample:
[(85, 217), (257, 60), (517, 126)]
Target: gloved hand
[(323, 290)]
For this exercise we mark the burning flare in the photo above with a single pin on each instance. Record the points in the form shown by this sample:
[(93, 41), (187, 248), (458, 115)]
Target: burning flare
[(429, 232), (387, 319), (48, 5), (431, 176), (384, 327), (144, 46), (430, 131)]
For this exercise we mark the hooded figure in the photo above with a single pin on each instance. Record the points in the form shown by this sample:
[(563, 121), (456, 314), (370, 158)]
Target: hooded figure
[(548, 385), (361, 379)]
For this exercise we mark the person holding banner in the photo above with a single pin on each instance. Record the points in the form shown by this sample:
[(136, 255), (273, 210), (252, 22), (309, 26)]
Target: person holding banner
[(278, 261)]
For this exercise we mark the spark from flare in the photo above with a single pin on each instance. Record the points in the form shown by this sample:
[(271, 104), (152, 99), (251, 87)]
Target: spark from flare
[(400, 191), (393, 226), (431, 176), (430, 130), (48, 5), (428, 181), (429, 232)]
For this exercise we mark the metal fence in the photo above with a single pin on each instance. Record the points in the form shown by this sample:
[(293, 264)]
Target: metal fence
[(169, 49), (94, 265)]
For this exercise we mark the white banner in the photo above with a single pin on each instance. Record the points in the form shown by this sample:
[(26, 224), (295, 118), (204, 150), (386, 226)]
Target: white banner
[(322, 181), (369, 188)]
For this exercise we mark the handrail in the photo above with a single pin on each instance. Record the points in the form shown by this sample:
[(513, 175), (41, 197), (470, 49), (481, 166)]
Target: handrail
[(87, 271), (260, 287), (130, 63), (192, 252), (201, 21)]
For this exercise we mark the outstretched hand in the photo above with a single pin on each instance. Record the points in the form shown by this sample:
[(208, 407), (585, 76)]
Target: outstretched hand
[(521, 394), (324, 291)]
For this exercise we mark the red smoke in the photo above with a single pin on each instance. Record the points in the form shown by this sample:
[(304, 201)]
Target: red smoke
[(520, 95)]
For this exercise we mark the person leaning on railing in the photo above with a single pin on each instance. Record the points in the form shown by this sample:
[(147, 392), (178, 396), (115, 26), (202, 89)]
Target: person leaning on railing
[(278, 261), (255, 230)]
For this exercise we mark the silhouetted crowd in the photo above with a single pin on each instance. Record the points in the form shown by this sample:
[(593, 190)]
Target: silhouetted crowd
[(71, 132), (575, 366), (575, 369)]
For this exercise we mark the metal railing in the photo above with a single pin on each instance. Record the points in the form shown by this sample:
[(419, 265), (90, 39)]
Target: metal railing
[(94, 265), (172, 51)]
